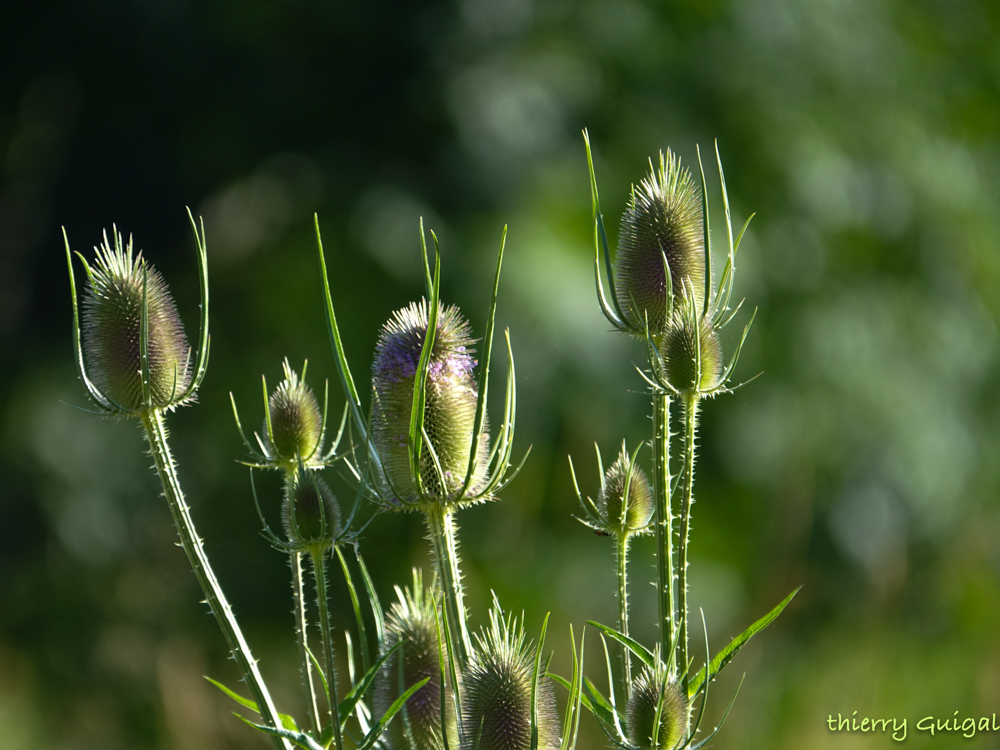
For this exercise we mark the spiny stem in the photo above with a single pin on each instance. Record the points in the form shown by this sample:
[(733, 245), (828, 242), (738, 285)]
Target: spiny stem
[(621, 553), (317, 556), (690, 428), (302, 634), (665, 584), (156, 436), (441, 528)]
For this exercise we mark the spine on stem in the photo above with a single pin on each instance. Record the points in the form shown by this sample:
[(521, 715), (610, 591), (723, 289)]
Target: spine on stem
[(333, 710), (441, 528), (690, 429), (302, 636), (665, 578)]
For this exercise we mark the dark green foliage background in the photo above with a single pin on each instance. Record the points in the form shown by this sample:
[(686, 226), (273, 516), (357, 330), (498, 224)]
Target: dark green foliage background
[(864, 133)]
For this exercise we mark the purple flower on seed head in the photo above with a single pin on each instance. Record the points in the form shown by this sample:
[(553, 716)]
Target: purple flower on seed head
[(449, 409)]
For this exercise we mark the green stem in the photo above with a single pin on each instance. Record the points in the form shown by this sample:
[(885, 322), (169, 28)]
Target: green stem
[(302, 635), (665, 582), (156, 436), (319, 572), (441, 528), (621, 553), (690, 428)]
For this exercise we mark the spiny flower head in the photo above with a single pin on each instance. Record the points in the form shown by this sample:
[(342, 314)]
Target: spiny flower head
[(310, 513), (690, 352), (112, 331), (295, 420), (450, 404), (649, 690), (412, 622), (496, 700), (625, 502), (663, 218)]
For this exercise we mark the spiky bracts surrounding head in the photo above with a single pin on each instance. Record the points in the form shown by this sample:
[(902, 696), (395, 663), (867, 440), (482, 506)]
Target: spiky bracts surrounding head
[(310, 513), (652, 692), (411, 621), (626, 499), (496, 692), (663, 217), (112, 331), (450, 404), (296, 421), (690, 352)]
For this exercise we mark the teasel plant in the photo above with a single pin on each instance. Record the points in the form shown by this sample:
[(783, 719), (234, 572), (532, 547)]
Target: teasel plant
[(424, 445), (662, 292)]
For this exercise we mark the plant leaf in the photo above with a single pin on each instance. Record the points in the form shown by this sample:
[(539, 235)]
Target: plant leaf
[(643, 653)]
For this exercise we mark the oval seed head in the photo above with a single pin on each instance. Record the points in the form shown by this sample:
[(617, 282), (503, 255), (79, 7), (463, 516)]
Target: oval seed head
[(496, 693), (631, 514), (690, 352), (648, 689), (412, 622), (112, 331), (664, 214), (450, 403), (296, 421), (310, 513)]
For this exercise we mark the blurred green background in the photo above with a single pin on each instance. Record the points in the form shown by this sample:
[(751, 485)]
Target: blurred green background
[(864, 133)]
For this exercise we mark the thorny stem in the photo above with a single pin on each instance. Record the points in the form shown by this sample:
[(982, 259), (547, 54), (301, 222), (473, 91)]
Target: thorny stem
[(319, 572), (441, 528), (621, 553), (690, 428), (665, 584), (156, 436), (302, 633)]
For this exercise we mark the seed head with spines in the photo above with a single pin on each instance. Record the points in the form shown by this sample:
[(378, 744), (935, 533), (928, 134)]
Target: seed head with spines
[(649, 690), (625, 502), (295, 420), (309, 514)]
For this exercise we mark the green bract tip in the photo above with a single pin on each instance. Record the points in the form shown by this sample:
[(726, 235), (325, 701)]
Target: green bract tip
[(663, 219), (113, 335), (412, 622), (310, 513), (449, 405), (496, 693), (652, 692), (625, 502)]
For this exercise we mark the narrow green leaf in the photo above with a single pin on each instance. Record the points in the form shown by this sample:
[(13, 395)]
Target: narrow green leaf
[(373, 600), (376, 732), (245, 702), (356, 604), (298, 738), (358, 692), (643, 653)]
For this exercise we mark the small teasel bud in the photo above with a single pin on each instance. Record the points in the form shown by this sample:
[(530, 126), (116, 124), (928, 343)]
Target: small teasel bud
[(296, 421), (450, 403), (663, 217), (112, 331), (690, 352), (411, 621), (310, 513), (649, 689), (496, 692), (625, 515)]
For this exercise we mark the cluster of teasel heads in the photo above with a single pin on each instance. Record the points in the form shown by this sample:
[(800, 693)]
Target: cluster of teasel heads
[(424, 446)]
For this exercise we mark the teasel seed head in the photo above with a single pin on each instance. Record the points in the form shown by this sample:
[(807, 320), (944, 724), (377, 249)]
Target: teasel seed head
[(296, 420), (496, 692), (412, 622), (663, 218), (631, 514), (690, 352), (649, 689), (310, 513), (112, 331), (450, 404)]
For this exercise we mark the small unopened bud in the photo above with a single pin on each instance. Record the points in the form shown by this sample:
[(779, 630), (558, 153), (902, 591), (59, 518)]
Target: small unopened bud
[(648, 691), (112, 331), (296, 421), (625, 515), (496, 702), (663, 217), (450, 403), (411, 622), (690, 352), (310, 513)]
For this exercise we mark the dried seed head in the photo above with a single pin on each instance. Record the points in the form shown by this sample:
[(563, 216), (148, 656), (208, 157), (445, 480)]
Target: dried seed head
[(310, 513), (647, 690), (450, 403), (112, 331), (690, 352), (296, 421), (631, 514), (496, 701), (664, 215), (412, 622)]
